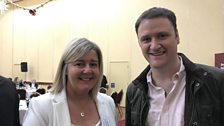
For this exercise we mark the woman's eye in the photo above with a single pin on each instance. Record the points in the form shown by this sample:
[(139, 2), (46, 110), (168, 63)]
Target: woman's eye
[(94, 65), (79, 64)]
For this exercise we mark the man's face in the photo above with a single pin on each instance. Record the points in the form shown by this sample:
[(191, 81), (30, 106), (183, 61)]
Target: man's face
[(158, 41)]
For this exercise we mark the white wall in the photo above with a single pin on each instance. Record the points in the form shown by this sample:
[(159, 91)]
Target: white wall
[(40, 39)]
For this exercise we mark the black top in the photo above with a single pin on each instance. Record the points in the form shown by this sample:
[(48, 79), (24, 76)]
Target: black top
[(104, 82), (9, 103)]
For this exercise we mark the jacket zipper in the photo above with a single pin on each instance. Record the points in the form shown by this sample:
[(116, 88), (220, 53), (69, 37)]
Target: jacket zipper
[(193, 107), (194, 103)]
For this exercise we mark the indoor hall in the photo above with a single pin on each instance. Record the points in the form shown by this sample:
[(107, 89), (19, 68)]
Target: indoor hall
[(36, 32)]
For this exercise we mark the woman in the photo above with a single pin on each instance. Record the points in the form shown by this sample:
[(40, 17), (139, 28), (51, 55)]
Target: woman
[(74, 99)]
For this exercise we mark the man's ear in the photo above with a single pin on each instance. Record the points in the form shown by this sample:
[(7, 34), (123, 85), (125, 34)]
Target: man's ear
[(177, 37)]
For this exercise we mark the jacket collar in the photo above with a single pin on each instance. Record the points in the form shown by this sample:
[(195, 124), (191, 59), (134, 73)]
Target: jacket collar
[(141, 80), (196, 71), (190, 67)]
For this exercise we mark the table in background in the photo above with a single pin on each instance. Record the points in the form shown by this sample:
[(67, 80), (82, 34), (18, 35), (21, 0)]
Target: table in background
[(22, 110)]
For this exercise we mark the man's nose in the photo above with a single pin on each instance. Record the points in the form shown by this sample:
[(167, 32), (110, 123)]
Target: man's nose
[(154, 44)]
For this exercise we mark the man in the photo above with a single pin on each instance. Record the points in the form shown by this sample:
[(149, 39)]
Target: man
[(9, 103), (21, 84), (33, 84), (172, 90)]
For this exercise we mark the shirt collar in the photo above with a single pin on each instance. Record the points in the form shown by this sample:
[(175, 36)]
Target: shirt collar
[(177, 75)]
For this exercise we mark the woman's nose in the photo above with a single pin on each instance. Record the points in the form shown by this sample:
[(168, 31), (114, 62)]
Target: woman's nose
[(87, 69)]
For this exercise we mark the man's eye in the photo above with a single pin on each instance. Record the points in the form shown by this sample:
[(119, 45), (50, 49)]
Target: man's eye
[(162, 36), (146, 39)]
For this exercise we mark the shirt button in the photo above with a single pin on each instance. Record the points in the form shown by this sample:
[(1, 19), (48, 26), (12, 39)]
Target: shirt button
[(198, 84), (209, 116), (205, 73), (195, 123)]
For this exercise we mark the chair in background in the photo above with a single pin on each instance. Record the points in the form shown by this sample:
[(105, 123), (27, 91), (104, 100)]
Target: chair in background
[(118, 101), (49, 87), (41, 91), (103, 90), (117, 97), (22, 94), (34, 94), (114, 96)]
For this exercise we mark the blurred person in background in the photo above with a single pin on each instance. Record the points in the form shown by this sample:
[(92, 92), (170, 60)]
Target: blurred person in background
[(33, 84), (9, 103)]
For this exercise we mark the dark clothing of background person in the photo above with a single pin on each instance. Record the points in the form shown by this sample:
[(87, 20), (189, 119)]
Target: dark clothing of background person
[(21, 84), (104, 82), (36, 85), (9, 103)]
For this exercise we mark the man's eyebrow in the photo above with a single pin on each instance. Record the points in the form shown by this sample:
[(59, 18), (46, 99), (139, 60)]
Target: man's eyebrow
[(144, 36)]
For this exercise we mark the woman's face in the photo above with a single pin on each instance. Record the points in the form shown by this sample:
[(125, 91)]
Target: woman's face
[(83, 74)]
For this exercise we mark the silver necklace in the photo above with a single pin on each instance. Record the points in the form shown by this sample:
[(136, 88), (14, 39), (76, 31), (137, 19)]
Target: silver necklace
[(82, 114)]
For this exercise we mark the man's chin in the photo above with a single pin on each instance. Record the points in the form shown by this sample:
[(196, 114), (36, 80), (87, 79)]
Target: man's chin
[(157, 65)]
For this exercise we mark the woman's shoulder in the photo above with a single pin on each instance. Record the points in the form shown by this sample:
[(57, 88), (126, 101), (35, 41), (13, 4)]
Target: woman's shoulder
[(42, 100), (104, 98)]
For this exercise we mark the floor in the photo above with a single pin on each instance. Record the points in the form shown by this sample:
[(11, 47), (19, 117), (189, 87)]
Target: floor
[(121, 116), (121, 123)]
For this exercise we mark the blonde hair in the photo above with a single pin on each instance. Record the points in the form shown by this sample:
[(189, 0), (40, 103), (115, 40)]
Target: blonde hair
[(75, 50)]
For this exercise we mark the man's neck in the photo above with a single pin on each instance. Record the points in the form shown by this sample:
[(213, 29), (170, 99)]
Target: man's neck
[(163, 76)]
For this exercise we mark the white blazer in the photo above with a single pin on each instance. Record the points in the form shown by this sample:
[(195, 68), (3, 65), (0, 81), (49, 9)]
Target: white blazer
[(52, 110)]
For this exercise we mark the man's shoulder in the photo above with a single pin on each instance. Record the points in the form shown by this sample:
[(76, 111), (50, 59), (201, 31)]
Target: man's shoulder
[(132, 85), (42, 100), (212, 70), (209, 75), (5, 82), (103, 97)]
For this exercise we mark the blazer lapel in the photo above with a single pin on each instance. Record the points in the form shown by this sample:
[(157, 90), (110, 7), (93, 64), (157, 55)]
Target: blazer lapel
[(60, 109), (103, 112)]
